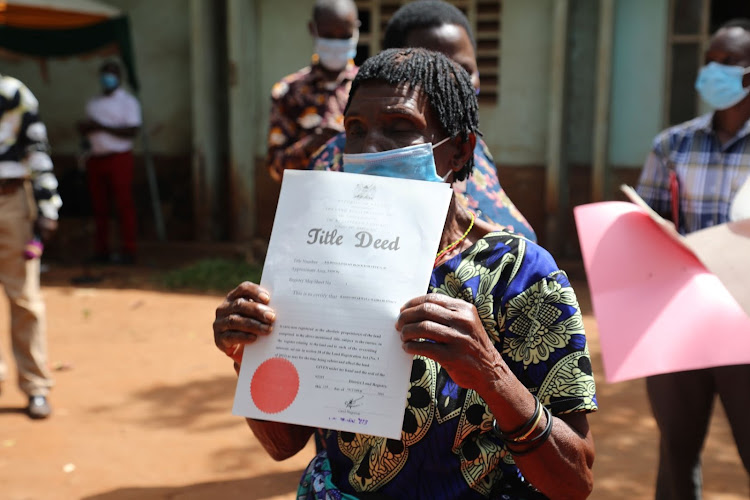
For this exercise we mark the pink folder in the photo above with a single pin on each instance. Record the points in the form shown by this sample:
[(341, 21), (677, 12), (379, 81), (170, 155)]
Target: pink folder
[(657, 307)]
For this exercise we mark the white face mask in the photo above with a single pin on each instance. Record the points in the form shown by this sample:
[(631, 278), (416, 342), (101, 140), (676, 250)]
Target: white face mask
[(334, 54)]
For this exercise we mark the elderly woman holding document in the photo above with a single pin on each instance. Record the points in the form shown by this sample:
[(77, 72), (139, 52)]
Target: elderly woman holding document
[(501, 380)]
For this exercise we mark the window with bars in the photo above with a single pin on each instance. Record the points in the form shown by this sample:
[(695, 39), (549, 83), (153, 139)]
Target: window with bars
[(484, 17)]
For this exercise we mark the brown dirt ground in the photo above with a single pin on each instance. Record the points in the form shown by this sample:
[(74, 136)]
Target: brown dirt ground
[(143, 410)]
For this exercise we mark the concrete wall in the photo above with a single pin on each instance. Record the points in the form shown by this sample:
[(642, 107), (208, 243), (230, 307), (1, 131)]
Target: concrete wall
[(162, 52), (516, 127), (285, 47), (638, 79), (580, 80)]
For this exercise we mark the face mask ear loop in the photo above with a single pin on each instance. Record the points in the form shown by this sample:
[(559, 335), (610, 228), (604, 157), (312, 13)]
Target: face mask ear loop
[(445, 177), (441, 142)]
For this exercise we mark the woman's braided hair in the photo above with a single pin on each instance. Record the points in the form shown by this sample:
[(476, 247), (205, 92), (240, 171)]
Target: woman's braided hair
[(445, 84), (423, 14)]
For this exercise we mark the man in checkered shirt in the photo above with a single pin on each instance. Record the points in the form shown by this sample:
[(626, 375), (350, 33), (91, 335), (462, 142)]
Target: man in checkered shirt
[(701, 165)]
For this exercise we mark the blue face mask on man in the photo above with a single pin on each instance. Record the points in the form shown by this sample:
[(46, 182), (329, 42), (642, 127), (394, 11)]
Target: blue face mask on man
[(109, 81), (720, 85), (412, 162), (334, 54)]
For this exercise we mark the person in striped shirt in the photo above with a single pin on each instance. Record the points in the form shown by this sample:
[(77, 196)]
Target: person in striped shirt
[(28, 205)]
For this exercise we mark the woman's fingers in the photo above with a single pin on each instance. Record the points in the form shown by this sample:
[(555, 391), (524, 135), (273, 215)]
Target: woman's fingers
[(439, 309), (428, 331), (233, 342), (427, 348), (233, 332), (433, 298), (242, 318), (243, 307), (241, 323), (422, 309), (449, 331), (250, 291)]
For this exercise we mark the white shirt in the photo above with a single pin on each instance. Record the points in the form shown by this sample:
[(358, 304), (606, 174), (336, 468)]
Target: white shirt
[(118, 109)]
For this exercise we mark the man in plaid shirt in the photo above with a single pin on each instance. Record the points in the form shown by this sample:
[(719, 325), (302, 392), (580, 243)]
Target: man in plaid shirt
[(700, 165)]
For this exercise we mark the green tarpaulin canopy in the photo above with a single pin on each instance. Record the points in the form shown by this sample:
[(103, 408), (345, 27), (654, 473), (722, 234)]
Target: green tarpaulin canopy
[(63, 28)]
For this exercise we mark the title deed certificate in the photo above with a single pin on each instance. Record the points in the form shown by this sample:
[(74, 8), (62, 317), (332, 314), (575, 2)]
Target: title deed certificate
[(346, 252)]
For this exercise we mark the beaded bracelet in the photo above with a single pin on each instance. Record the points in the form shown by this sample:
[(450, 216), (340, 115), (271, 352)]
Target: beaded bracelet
[(537, 441), (525, 430)]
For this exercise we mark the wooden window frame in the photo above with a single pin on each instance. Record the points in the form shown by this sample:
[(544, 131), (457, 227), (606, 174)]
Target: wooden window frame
[(489, 93), (701, 39)]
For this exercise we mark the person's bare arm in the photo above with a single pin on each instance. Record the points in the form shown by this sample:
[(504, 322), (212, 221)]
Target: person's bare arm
[(88, 126), (456, 338), (281, 441), (562, 466)]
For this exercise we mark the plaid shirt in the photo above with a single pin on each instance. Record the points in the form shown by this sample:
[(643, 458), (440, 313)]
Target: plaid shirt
[(709, 173), (300, 103)]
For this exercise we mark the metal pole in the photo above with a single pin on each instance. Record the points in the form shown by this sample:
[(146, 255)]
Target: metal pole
[(152, 184), (205, 90), (600, 173), (557, 175), (242, 28)]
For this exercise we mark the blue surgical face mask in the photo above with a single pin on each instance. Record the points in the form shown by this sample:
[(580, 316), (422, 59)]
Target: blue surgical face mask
[(109, 81), (334, 53), (412, 162), (721, 85)]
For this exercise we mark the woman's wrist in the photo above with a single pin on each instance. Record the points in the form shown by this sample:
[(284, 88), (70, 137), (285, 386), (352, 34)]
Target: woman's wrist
[(510, 401), (496, 378)]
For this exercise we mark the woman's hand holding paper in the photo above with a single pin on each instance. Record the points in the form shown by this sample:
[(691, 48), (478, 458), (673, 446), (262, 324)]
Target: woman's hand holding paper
[(449, 331), (241, 318)]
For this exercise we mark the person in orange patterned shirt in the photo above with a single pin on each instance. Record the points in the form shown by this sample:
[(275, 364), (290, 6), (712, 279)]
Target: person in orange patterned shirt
[(307, 107)]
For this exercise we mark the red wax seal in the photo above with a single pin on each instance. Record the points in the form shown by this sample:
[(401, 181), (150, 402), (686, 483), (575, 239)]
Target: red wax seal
[(274, 385)]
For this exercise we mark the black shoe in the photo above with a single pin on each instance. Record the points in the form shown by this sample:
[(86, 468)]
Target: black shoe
[(39, 407)]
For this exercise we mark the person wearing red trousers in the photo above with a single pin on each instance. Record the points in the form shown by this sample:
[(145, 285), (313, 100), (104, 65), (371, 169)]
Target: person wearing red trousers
[(112, 122)]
